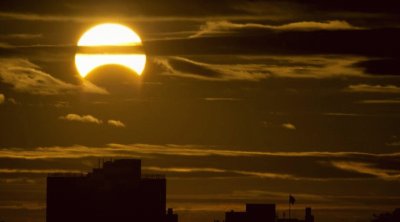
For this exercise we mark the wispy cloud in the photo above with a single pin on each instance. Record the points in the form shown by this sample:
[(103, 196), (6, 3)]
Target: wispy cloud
[(251, 68), (367, 88), (218, 27), (116, 123), (22, 205), (36, 171), (342, 114), (81, 118), (215, 170), (183, 170), (367, 168), (21, 36), (21, 180), (91, 119), (380, 101), (215, 99), (143, 150), (91, 18), (186, 161), (26, 77), (289, 126)]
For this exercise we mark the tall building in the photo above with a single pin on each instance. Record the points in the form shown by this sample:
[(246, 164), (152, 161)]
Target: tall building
[(308, 216), (116, 192)]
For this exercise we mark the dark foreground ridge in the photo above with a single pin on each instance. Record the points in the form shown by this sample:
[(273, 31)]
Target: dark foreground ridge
[(116, 192)]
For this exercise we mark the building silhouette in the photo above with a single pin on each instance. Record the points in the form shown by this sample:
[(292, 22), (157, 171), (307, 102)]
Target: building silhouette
[(388, 217), (115, 192), (263, 213), (253, 213)]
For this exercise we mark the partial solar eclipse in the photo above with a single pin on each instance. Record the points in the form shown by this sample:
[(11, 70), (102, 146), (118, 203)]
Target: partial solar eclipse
[(109, 44)]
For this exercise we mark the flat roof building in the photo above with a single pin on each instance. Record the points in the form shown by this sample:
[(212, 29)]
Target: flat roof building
[(116, 192), (263, 213), (253, 213)]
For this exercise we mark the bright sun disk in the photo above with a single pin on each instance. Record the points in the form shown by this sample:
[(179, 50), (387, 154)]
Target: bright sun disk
[(109, 35)]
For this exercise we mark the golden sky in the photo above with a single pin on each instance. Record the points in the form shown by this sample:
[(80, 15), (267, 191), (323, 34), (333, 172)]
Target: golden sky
[(239, 101)]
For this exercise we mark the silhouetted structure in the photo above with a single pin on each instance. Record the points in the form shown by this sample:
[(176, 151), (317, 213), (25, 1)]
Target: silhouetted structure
[(116, 192), (309, 217), (388, 217), (263, 213), (171, 217), (254, 213)]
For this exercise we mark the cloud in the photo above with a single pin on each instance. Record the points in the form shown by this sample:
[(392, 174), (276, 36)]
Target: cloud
[(289, 126), (83, 118), (215, 170), (2, 98), (89, 87), (187, 161), (359, 88), (22, 205), (256, 68), (91, 119), (21, 36), (143, 150), (119, 17), (380, 101), (220, 27), (17, 181), (116, 123), (62, 104), (36, 171), (216, 99), (367, 168), (338, 114), (26, 77)]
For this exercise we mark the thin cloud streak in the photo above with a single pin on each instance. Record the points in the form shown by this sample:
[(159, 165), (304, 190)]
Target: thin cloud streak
[(78, 18), (347, 166), (380, 101), (36, 171), (224, 27), (21, 36), (215, 170), (216, 99), (366, 168), (367, 88), (314, 67), (146, 150)]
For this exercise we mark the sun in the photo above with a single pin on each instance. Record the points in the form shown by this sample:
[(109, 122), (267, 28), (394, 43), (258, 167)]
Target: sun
[(109, 44)]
